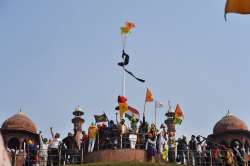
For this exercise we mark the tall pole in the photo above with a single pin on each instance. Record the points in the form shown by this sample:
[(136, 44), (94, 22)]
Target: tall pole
[(155, 114), (124, 82), (144, 110), (124, 77)]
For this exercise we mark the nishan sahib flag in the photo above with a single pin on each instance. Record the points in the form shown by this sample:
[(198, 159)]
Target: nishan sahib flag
[(149, 96), (237, 6), (178, 115)]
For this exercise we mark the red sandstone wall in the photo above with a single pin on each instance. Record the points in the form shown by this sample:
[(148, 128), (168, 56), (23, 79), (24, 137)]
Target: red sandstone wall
[(117, 155)]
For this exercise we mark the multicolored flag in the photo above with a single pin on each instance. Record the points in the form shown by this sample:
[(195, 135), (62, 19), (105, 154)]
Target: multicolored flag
[(179, 116), (101, 119), (132, 112), (127, 28), (158, 104), (149, 96)]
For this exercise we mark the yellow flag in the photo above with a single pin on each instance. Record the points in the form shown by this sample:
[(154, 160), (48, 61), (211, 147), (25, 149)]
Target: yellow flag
[(237, 6), (149, 96), (123, 107)]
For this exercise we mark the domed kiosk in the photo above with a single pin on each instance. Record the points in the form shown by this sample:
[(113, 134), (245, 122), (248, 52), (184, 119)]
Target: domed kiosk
[(15, 131), (230, 129)]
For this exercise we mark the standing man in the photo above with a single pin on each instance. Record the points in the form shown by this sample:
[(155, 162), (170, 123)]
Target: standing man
[(161, 135), (122, 129), (43, 151), (53, 148), (133, 134), (192, 145), (92, 132)]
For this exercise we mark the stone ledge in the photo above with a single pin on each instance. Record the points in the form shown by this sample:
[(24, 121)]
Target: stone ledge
[(117, 155)]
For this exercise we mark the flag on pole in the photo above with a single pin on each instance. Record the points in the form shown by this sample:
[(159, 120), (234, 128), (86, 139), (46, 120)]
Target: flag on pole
[(237, 6), (178, 115), (149, 96), (132, 111), (123, 107), (101, 119), (158, 104)]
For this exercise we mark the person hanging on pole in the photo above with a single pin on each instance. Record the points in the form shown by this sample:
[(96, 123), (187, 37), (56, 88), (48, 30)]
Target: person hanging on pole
[(125, 58)]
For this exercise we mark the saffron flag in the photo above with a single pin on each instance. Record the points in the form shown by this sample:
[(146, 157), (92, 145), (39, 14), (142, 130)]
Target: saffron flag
[(129, 25), (237, 6), (132, 112), (123, 107), (149, 96), (158, 104), (178, 115)]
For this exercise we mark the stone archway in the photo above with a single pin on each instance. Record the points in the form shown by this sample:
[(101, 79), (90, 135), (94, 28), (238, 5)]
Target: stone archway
[(13, 143)]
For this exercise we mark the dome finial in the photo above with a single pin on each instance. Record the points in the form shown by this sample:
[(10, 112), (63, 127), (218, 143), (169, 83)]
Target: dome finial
[(78, 108), (20, 111), (228, 113)]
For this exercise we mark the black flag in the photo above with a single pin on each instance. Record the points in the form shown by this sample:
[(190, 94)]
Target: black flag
[(139, 79)]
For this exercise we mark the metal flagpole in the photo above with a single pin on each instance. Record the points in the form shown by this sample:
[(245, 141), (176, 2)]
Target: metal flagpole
[(144, 110), (155, 114), (124, 78), (124, 82)]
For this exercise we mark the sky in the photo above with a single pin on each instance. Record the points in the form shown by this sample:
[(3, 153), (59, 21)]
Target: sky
[(57, 54)]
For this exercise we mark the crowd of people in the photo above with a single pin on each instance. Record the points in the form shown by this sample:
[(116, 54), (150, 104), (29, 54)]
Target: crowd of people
[(160, 145), (46, 153)]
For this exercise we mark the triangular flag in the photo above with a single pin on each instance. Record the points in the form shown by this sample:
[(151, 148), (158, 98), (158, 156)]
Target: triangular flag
[(178, 111), (149, 96), (178, 115)]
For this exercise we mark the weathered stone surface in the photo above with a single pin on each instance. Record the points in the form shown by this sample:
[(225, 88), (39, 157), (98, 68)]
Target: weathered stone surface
[(4, 158), (117, 155)]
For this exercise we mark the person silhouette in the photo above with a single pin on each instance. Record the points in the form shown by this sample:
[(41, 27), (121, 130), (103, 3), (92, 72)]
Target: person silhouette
[(125, 58)]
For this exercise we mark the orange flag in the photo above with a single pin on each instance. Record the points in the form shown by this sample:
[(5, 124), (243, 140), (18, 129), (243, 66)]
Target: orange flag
[(130, 25), (149, 96), (178, 111), (237, 6)]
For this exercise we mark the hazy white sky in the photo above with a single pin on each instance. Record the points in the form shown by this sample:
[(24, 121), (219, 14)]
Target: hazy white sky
[(58, 54)]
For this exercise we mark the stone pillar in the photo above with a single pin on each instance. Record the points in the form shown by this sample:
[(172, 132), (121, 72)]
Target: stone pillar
[(78, 121), (4, 158)]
